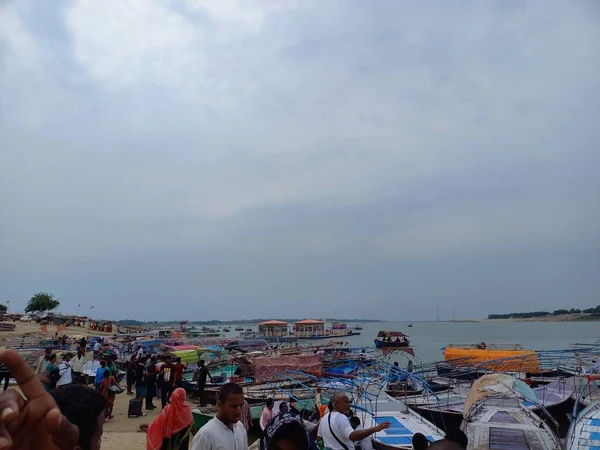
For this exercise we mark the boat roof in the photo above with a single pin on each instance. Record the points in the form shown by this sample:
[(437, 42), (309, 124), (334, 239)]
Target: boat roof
[(309, 322), (384, 333), (273, 322)]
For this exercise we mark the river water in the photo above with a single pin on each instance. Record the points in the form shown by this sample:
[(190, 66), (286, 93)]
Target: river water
[(427, 338)]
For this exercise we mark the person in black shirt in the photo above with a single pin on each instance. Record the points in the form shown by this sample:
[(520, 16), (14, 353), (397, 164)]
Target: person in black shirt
[(151, 377), (4, 375), (295, 411), (140, 381), (131, 374), (203, 373), (167, 373)]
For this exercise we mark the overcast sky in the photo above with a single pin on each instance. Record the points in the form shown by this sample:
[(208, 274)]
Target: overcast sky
[(201, 159)]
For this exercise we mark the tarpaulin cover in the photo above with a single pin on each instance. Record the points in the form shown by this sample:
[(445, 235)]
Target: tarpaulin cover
[(497, 385), (267, 368), (187, 356), (498, 360)]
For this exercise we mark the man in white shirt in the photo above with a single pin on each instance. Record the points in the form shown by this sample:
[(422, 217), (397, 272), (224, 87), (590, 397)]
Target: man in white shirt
[(335, 428), (64, 370), (78, 364), (225, 431), (139, 353)]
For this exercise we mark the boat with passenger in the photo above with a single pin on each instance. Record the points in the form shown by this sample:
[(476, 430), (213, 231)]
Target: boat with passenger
[(391, 339)]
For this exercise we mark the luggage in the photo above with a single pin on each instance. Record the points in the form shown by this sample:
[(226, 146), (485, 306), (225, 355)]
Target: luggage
[(135, 408)]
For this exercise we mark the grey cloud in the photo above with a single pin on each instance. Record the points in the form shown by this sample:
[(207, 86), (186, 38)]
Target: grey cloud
[(299, 158)]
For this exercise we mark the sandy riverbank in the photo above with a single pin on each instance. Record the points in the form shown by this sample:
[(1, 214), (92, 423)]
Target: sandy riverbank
[(559, 318), (120, 433)]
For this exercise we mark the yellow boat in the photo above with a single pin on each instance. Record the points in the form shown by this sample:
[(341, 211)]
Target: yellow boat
[(496, 359)]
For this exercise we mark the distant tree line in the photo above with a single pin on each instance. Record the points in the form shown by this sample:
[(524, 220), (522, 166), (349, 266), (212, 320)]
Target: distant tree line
[(558, 312)]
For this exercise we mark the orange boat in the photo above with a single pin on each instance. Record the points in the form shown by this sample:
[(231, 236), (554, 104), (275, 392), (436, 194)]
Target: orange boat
[(496, 359)]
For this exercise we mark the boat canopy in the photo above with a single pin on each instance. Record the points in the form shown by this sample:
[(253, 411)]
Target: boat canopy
[(497, 385), (387, 334)]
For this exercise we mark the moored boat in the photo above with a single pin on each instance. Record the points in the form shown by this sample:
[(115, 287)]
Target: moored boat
[(391, 339), (496, 417), (584, 432)]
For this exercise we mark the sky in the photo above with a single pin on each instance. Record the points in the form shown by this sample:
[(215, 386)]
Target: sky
[(231, 159)]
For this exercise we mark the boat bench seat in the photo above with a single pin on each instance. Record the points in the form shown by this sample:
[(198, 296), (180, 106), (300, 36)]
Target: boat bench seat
[(397, 434)]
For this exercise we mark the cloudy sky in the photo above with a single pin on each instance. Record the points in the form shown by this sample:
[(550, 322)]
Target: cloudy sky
[(206, 159)]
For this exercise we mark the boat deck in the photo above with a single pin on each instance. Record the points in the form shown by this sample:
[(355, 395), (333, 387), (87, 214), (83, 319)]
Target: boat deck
[(499, 424), (585, 434), (404, 425)]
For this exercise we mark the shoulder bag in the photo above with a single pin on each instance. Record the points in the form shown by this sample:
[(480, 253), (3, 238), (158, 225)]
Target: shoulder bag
[(344, 446)]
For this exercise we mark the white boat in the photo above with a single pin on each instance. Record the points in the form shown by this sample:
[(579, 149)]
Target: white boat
[(584, 432), (404, 424), (495, 416)]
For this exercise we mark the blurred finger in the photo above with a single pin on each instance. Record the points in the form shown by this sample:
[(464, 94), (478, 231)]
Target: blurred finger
[(5, 439), (28, 382), (11, 402), (64, 434)]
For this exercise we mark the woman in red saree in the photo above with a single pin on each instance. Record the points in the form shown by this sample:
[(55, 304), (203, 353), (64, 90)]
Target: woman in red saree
[(172, 428), (109, 394)]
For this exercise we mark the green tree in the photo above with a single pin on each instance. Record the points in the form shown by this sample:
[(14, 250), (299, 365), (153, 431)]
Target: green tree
[(42, 301), (3, 308)]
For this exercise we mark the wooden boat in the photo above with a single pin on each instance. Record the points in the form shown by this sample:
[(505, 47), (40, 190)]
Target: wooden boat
[(450, 405), (391, 339), (495, 416), (405, 423), (584, 432)]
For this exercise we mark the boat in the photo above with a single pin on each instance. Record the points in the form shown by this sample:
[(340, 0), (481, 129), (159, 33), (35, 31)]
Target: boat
[(584, 432), (586, 390), (410, 325), (404, 424), (496, 417), (446, 407), (490, 357), (358, 327), (385, 339), (239, 328), (226, 329)]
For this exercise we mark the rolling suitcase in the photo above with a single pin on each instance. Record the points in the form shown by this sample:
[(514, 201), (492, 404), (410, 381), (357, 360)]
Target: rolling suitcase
[(135, 408)]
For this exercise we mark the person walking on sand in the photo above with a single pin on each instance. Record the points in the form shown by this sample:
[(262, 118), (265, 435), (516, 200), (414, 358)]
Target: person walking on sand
[(106, 387), (131, 374), (141, 389), (203, 373), (167, 372)]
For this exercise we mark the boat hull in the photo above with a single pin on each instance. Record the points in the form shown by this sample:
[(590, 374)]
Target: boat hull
[(382, 344)]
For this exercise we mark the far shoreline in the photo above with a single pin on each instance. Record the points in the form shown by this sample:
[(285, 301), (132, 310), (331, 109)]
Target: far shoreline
[(579, 317)]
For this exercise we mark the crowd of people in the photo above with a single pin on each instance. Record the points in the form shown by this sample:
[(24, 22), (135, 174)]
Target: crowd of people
[(71, 415)]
